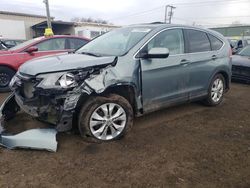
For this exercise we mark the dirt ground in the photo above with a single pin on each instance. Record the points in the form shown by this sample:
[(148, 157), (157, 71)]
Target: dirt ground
[(186, 146)]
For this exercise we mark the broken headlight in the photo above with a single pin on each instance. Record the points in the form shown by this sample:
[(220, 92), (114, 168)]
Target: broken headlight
[(57, 80), (67, 80)]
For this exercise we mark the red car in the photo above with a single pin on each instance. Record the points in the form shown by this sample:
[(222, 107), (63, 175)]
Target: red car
[(10, 60)]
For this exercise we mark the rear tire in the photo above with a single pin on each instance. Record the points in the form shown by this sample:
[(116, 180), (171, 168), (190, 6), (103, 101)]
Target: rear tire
[(6, 75), (216, 91), (105, 118)]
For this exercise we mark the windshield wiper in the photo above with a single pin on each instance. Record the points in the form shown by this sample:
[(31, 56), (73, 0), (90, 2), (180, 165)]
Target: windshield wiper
[(91, 54)]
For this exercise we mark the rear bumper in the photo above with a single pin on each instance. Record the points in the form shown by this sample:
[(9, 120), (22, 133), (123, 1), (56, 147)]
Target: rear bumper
[(240, 77), (241, 73)]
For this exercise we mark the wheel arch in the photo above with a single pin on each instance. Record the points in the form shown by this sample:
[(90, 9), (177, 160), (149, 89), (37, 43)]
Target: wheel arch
[(226, 76), (8, 66), (126, 90)]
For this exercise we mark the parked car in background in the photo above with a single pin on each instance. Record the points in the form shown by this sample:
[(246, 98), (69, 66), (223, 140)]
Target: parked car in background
[(237, 45), (3, 46), (11, 59), (124, 73), (241, 65), (9, 43)]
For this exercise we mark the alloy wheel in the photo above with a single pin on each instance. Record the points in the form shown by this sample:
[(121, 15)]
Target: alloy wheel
[(108, 121), (4, 79), (217, 90)]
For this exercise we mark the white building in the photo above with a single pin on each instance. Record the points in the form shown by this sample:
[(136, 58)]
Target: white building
[(18, 25), (27, 26), (92, 30)]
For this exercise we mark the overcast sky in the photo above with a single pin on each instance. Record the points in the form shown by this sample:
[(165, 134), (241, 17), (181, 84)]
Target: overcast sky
[(202, 12)]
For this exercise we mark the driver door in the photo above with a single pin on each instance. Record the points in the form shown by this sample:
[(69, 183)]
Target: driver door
[(165, 80)]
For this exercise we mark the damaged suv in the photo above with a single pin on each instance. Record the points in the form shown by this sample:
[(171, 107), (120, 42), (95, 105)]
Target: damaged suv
[(124, 73)]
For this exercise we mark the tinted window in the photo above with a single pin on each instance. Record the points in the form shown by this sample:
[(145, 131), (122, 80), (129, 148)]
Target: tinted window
[(216, 43), (197, 41), (52, 44), (76, 43), (171, 39)]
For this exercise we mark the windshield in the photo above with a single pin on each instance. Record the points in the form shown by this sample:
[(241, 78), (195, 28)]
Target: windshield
[(26, 43), (115, 43), (245, 51)]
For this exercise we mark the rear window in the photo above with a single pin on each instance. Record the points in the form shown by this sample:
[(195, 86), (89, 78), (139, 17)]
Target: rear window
[(197, 41), (216, 43)]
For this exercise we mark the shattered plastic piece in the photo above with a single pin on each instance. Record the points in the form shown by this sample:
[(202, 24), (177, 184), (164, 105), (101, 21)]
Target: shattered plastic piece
[(41, 139)]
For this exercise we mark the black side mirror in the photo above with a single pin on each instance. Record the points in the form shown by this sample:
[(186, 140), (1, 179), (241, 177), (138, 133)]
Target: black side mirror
[(155, 53)]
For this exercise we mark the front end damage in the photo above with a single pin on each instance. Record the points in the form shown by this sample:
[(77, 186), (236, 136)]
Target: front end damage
[(54, 97), (42, 139), (55, 105)]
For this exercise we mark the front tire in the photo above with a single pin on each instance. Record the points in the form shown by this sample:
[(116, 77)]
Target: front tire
[(104, 119), (216, 91), (6, 75)]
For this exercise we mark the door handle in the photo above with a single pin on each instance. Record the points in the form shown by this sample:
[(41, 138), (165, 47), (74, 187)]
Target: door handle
[(214, 57), (184, 62)]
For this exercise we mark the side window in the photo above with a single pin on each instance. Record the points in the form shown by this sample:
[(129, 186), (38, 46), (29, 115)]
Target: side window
[(197, 41), (76, 43), (171, 39), (216, 43), (52, 44)]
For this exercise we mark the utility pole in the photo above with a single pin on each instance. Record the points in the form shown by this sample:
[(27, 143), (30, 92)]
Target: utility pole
[(166, 14), (48, 30), (170, 14), (46, 2)]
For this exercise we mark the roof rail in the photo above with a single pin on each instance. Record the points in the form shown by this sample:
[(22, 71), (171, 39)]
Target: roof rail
[(157, 23)]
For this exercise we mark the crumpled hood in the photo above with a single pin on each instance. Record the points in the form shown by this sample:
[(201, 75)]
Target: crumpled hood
[(239, 60), (62, 62)]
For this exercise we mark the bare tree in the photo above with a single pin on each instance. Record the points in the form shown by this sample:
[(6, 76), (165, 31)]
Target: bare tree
[(89, 19), (235, 23)]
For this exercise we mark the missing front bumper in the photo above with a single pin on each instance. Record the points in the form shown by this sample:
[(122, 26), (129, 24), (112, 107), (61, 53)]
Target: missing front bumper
[(62, 120), (40, 139), (8, 110)]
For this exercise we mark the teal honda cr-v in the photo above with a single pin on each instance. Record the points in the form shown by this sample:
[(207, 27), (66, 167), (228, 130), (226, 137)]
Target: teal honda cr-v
[(124, 73)]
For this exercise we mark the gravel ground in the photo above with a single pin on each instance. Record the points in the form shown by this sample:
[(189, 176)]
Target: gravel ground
[(185, 146)]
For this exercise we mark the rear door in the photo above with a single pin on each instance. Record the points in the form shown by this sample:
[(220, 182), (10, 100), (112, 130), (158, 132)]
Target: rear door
[(202, 61), (164, 81)]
